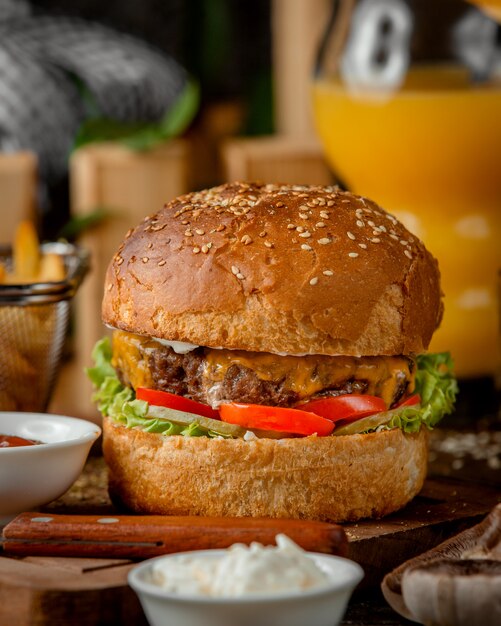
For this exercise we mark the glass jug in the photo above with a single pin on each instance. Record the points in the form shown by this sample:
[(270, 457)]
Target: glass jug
[(407, 104)]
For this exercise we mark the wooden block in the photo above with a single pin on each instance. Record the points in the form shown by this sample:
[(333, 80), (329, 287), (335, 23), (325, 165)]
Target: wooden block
[(18, 188), (38, 592), (277, 159), (130, 185), (297, 27)]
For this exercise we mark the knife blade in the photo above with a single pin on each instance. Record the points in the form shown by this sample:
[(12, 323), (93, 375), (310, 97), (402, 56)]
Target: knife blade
[(145, 536)]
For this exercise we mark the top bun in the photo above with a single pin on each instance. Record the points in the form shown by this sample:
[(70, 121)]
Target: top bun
[(276, 268)]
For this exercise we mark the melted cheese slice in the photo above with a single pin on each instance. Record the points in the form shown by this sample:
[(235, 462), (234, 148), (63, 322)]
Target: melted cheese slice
[(308, 375), (305, 375)]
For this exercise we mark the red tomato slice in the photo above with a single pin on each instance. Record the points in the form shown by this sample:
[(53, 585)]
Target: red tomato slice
[(410, 401), (173, 401), (345, 407), (275, 418)]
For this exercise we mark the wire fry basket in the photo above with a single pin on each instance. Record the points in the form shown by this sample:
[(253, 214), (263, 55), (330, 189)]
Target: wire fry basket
[(33, 324)]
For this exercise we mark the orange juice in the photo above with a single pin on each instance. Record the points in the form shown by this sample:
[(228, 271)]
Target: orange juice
[(431, 154), (491, 7)]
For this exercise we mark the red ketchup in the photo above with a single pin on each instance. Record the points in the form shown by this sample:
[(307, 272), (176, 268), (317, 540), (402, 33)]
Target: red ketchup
[(10, 441)]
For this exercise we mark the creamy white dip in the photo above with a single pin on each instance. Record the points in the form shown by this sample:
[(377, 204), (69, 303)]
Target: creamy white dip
[(243, 570)]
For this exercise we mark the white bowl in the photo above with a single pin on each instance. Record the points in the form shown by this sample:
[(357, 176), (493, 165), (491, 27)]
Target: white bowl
[(34, 475), (323, 606)]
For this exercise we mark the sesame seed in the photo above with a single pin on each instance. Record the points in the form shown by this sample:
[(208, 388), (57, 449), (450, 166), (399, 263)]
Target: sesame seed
[(196, 250), (303, 207), (234, 270), (382, 228), (205, 249), (371, 223), (161, 263), (240, 276), (280, 204), (109, 287), (363, 246), (351, 235), (263, 233), (300, 229), (145, 259), (375, 240), (408, 254), (220, 228), (320, 225), (328, 273), (246, 240), (324, 241), (353, 255), (305, 234), (120, 261), (305, 246), (404, 242), (324, 215), (330, 203), (394, 237), (321, 202), (291, 226), (199, 231), (303, 216), (185, 222), (268, 244), (314, 280), (188, 233), (360, 223)]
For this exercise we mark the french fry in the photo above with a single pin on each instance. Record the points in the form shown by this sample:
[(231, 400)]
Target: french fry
[(26, 254), (51, 268)]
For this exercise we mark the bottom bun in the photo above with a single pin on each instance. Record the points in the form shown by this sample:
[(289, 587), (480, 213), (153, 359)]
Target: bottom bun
[(334, 479)]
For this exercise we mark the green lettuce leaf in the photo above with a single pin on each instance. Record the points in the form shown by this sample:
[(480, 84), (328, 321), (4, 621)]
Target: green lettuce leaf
[(437, 386), (119, 402), (435, 383)]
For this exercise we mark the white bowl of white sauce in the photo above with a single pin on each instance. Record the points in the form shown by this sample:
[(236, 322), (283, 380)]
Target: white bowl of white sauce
[(246, 586)]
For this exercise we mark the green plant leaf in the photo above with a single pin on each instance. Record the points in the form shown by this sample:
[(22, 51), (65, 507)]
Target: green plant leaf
[(144, 135)]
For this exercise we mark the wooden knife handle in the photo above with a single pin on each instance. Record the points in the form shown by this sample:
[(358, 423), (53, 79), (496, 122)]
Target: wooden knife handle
[(136, 536)]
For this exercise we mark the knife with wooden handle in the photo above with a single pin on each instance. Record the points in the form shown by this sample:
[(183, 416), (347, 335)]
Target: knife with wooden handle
[(140, 537)]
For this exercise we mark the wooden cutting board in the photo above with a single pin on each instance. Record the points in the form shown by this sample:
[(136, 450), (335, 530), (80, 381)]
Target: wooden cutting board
[(57, 591)]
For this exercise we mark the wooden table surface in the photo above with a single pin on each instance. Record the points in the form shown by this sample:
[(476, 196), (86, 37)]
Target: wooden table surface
[(470, 455)]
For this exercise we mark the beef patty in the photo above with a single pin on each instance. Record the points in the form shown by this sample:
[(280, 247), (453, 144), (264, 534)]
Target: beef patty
[(214, 376)]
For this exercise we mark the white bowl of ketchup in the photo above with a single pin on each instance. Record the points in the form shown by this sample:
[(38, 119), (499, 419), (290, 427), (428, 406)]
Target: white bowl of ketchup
[(41, 456)]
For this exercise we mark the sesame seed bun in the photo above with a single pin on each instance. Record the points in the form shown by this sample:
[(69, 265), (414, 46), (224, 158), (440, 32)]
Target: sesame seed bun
[(324, 478), (274, 268)]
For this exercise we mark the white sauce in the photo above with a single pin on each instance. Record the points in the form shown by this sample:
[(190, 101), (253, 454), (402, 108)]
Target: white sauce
[(179, 347), (182, 347), (243, 570)]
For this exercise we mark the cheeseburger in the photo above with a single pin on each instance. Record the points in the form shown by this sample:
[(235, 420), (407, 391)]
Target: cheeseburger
[(267, 357)]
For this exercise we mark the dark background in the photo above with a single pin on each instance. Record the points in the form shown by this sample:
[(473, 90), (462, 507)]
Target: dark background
[(224, 44)]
